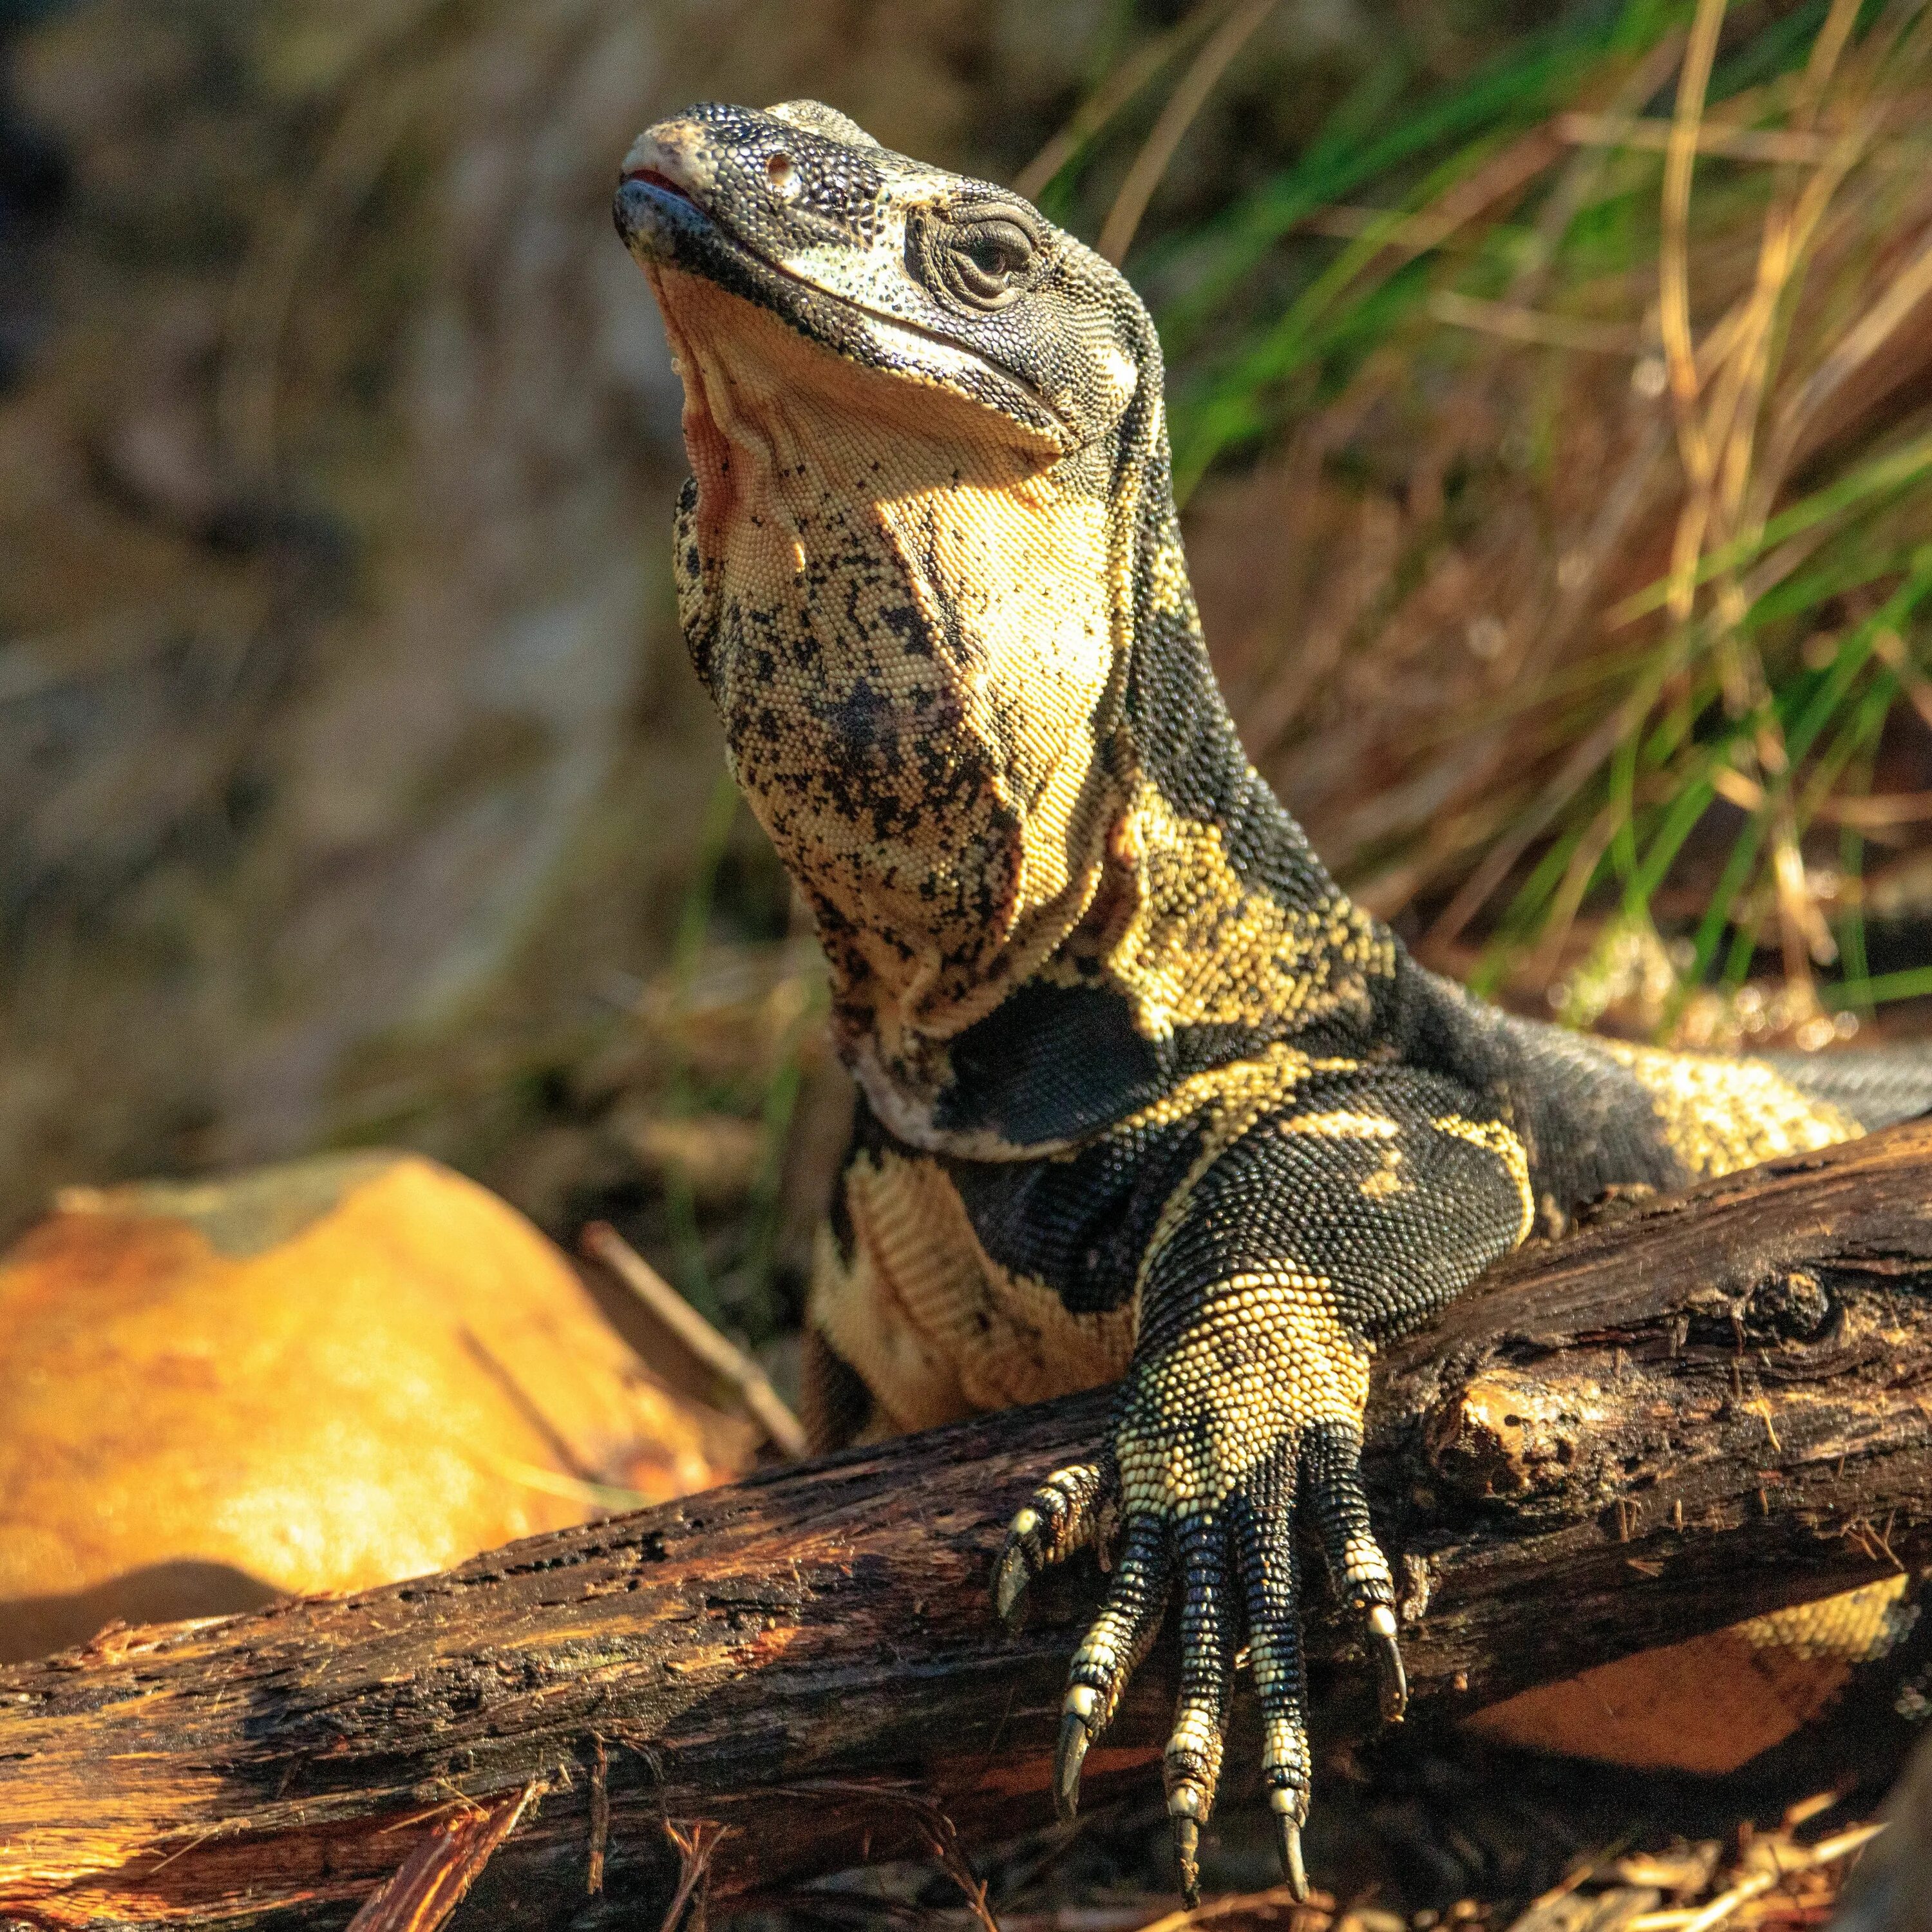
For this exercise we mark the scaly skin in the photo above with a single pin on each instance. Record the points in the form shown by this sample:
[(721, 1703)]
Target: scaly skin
[(1144, 1097)]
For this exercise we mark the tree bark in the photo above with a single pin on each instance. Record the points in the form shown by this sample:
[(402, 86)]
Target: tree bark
[(1698, 1410)]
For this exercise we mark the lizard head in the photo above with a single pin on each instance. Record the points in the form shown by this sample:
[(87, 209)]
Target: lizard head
[(903, 269)]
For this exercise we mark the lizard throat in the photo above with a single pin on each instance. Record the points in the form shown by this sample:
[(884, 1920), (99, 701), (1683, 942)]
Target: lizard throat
[(903, 612)]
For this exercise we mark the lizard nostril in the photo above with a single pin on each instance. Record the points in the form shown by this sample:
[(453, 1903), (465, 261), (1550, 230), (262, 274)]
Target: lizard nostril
[(782, 175)]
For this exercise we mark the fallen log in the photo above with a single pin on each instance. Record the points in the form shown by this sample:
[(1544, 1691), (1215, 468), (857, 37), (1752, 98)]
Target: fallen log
[(1699, 1410)]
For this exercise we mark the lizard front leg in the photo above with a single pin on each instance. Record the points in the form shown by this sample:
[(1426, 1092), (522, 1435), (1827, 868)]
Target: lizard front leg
[(1287, 1254)]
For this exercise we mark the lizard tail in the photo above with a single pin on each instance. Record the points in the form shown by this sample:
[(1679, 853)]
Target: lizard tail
[(1875, 1085)]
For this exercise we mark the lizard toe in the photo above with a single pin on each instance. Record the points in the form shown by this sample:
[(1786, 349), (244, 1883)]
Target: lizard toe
[(1334, 1496), (1394, 1679), (1120, 1637), (1071, 1509), (1270, 1562), (1069, 1755), (1288, 1843), (1186, 1829), (1191, 1765)]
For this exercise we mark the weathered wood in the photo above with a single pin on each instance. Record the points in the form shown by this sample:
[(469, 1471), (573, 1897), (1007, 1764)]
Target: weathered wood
[(1700, 1411)]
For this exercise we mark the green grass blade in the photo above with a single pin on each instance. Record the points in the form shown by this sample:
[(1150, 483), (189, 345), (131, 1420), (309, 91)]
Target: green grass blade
[(1915, 982), (1893, 470), (1512, 91)]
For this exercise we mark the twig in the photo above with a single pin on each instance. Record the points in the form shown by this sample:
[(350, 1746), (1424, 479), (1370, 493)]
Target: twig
[(943, 1836), (1680, 355), (1889, 647), (1790, 1860), (600, 1816), (935, 1826), (1878, 320), (429, 1883), (1310, 1915), (696, 1843), (572, 1489), (1775, 145), (719, 1353), (1871, 811), (1528, 325)]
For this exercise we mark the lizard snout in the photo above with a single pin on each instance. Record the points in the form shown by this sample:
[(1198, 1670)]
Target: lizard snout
[(675, 154), (666, 180)]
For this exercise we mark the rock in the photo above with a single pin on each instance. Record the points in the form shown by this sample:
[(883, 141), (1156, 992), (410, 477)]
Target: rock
[(316, 1377)]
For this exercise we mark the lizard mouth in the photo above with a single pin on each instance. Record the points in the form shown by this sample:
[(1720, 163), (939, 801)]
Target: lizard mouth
[(656, 179), (664, 224)]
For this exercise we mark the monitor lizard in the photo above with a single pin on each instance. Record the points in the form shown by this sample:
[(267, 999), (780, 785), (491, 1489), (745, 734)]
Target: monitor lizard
[(1144, 1097)]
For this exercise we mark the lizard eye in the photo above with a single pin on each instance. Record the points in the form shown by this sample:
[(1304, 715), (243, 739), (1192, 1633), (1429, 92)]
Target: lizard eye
[(985, 263)]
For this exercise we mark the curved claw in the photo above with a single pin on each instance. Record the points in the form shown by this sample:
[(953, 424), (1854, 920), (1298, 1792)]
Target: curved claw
[(1186, 1855), (1288, 1842), (1010, 1584), (1069, 1755), (1394, 1680)]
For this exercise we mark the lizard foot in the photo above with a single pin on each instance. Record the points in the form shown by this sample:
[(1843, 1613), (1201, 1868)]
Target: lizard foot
[(1229, 1541)]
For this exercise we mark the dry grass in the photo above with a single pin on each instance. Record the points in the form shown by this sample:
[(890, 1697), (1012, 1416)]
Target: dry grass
[(1771, 1881), (1575, 598)]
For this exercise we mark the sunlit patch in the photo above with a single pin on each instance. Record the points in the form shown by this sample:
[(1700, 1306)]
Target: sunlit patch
[(1502, 1141), (1231, 1099), (1203, 948), (1266, 1358), (937, 1329), (1342, 1124), (1387, 1180), (1719, 1115), (892, 595)]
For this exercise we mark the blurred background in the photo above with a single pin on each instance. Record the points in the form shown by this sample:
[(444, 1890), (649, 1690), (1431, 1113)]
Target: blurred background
[(1551, 393), (1558, 505)]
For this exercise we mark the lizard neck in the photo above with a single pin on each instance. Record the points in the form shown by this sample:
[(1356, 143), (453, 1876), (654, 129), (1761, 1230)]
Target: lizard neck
[(1214, 931), (964, 686)]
